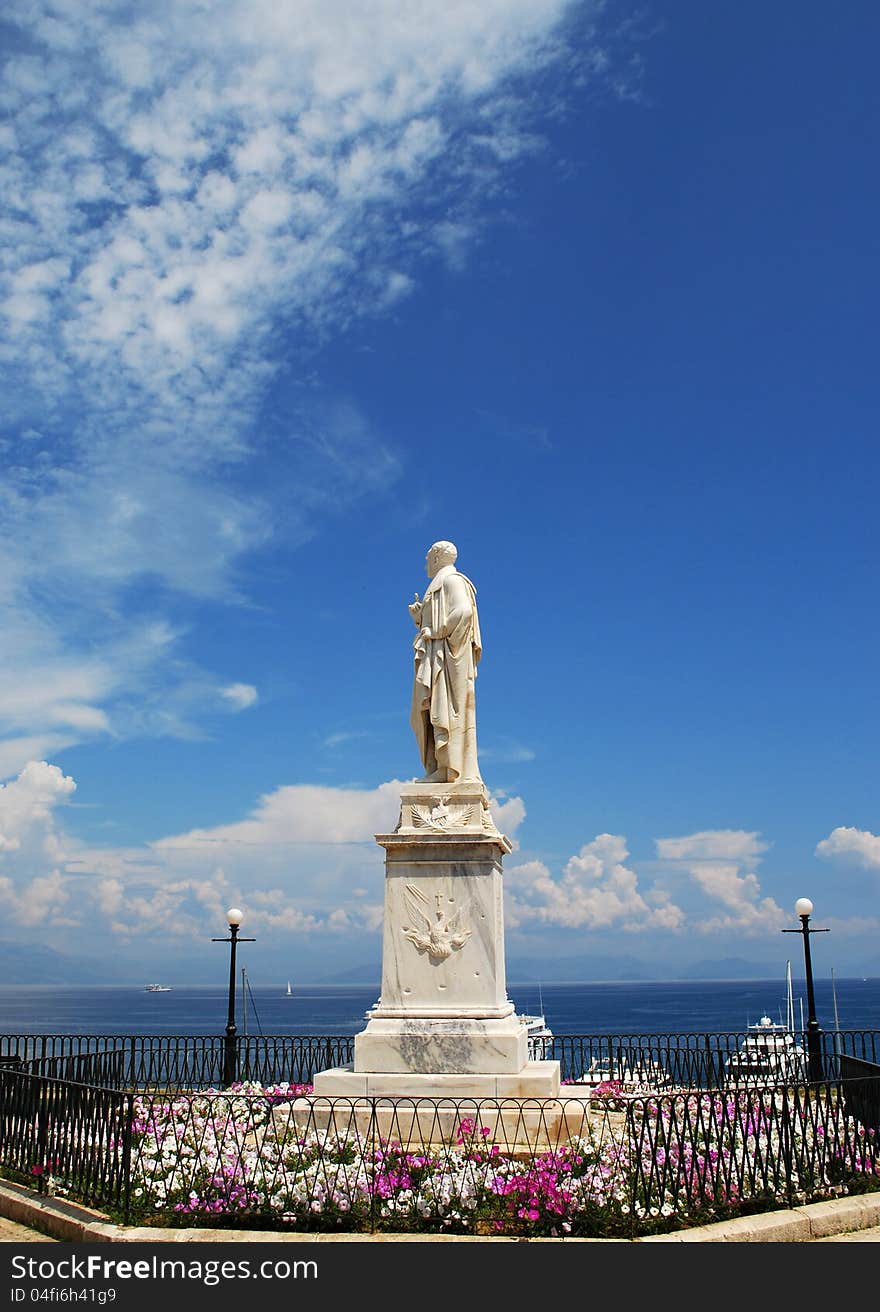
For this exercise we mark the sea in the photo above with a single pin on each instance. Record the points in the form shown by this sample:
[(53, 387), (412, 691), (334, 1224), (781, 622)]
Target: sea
[(668, 1007)]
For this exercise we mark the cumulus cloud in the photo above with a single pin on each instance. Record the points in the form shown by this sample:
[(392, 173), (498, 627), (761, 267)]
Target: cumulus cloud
[(34, 888), (27, 804), (187, 188), (856, 845), (713, 860), (508, 814), (596, 891), (702, 883), (304, 860)]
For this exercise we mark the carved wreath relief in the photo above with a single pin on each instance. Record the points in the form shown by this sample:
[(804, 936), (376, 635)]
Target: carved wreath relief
[(439, 937)]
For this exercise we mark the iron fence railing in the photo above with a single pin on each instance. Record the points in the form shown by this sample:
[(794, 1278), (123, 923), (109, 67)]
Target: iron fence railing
[(52, 1128), (696, 1060), (600, 1165), (688, 1060), (145, 1061)]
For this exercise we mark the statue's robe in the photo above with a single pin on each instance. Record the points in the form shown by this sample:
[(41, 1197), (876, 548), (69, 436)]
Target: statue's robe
[(443, 713)]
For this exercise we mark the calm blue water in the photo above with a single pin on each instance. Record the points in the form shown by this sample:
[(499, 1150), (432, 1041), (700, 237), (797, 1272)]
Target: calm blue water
[(725, 1006)]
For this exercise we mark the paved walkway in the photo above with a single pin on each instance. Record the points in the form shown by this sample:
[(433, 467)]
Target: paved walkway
[(871, 1236), (13, 1232)]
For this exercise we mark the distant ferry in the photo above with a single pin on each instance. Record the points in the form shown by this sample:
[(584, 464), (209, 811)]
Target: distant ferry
[(157, 988)]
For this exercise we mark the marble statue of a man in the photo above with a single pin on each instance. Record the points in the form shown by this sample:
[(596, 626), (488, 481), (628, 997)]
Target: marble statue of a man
[(447, 650)]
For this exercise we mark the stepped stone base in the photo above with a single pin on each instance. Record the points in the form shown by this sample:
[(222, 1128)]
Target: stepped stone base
[(524, 1113), (441, 1045), (536, 1079)]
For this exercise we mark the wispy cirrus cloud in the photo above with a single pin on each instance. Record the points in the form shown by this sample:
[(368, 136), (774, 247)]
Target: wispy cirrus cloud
[(713, 845), (194, 195), (239, 696)]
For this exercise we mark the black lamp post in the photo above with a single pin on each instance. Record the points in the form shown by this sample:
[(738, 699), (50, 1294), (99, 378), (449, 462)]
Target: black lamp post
[(804, 908), (230, 1047)]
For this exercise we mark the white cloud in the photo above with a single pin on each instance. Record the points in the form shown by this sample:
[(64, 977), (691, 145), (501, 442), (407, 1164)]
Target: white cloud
[(186, 187), (857, 845), (344, 736), (506, 752), (16, 752), (28, 801), (713, 861), (508, 814), (596, 891), (304, 860), (699, 885), (710, 844), (239, 695), (34, 889)]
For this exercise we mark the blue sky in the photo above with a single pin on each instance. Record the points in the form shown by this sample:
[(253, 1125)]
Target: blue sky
[(291, 292)]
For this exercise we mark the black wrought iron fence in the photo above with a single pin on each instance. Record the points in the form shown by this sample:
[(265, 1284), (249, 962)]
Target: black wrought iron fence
[(601, 1165), (703, 1060), (172, 1062), (697, 1152), (862, 1090), (638, 1061), (53, 1129)]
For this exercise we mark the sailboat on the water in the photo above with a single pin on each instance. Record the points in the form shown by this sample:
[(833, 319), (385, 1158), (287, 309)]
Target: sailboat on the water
[(289, 993)]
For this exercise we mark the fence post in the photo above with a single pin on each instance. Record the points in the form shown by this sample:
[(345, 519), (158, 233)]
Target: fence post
[(634, 1157), (372, 1140), (127, 1131), (42, 1132), (787, 1146)]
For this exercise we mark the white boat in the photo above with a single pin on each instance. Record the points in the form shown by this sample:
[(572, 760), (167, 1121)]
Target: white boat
[(634, 1073), (770, 1053), (157, 988), (289, 993), (539, 1037)]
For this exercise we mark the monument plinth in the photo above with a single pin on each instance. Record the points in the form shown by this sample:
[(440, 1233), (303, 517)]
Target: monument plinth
[(443, 1024)]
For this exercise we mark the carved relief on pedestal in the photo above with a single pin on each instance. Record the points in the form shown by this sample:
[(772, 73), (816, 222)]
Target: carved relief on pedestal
[(425, 812), (442, 816), (440, 936)]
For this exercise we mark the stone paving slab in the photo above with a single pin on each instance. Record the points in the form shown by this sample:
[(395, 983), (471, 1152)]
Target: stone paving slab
[(11, 1232)]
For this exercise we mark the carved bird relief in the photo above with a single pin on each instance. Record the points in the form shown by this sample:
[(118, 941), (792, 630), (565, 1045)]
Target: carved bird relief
[(440, 936), (441, 816)]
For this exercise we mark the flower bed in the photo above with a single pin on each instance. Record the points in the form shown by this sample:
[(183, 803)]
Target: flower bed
[(640, 1164)]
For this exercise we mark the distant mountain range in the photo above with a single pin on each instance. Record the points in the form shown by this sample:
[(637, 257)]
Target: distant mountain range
[(30, 963), (595, 969)]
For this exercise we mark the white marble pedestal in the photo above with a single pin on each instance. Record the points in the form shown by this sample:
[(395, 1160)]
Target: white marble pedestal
[(443, 1025)]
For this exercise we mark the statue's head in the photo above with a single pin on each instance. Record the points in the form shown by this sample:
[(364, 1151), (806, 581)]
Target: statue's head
[(440, 554)]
